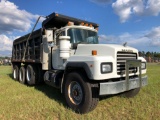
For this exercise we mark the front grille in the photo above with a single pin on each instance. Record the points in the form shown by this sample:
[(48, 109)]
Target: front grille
[(121, 61)]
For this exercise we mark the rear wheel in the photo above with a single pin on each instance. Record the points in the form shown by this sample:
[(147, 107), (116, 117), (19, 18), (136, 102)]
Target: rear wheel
[(81, 96), (22, 75), (38, 74), (131, 93), (30, 75), (15, 72)]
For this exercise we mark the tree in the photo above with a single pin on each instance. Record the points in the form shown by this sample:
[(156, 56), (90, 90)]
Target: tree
[(140, 53), (148, 54)]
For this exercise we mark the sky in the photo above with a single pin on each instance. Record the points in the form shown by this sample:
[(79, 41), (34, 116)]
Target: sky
[(136, 22)]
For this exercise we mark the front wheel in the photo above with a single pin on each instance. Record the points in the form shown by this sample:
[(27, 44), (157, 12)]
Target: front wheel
[(80, 95), (131, 93)]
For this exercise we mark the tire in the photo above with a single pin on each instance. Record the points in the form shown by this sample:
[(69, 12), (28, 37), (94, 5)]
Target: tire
[(22, 78), (38, 74), (131, 93), (15, 72), (30, 75), (80, 96)]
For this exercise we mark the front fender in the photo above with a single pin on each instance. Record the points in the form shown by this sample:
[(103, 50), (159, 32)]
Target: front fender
[(79, 65)]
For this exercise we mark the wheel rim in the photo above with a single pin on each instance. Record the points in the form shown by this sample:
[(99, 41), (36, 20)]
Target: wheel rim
[(75, 93), (14, 73), (28, 74), (20, 75)]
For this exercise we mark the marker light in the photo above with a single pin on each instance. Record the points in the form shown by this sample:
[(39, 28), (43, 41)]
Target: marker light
[(94, 52), (82, 24), (70, 23), (86, 24)]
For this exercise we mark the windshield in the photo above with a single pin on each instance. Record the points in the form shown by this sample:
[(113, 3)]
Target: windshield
[(83, 36)]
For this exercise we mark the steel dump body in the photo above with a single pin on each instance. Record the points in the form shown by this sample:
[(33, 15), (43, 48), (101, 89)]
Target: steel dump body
[(33, 50)]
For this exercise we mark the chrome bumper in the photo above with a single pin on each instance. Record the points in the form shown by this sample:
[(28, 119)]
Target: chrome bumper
[(121, 86), (127, 84)]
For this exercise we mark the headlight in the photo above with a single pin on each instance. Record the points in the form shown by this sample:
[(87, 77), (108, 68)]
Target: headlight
[(106, 67), (143, 65)]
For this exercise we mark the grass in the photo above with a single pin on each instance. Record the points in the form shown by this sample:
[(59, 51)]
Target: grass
[(43, 102)]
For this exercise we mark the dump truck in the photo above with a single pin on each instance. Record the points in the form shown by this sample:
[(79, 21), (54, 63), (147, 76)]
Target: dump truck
[(65, 53)]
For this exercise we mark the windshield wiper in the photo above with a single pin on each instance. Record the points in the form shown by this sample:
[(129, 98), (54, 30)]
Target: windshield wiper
[(74, 46)]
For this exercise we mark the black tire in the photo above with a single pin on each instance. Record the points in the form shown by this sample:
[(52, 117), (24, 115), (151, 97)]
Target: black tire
[(80, 95), (30, 75), (15, 72), (131, 93), (22, 75), (38, 74)]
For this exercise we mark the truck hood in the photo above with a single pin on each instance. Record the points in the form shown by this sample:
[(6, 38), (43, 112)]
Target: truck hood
[(103, 49)]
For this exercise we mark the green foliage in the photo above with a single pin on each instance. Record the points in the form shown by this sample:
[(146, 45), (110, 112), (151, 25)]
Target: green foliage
[(4, 57), (43, 102), (149, 54)]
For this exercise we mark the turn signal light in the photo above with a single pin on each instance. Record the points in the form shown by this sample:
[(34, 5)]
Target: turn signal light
[(70, 23), (94, 52), (86, 24)]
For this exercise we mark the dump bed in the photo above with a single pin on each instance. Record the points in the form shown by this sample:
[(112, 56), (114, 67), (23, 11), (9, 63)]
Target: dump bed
[(33, 50), (33, 47)]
